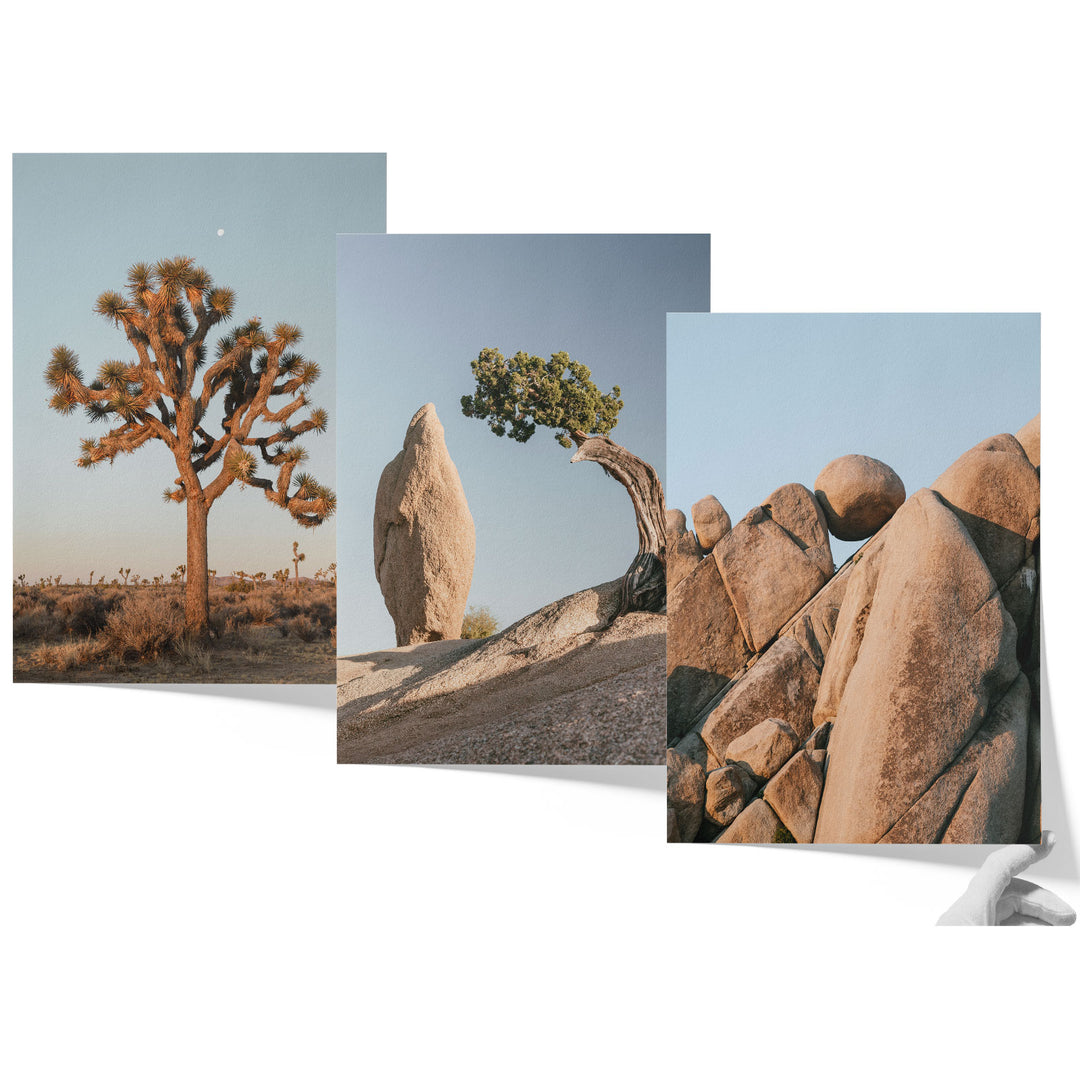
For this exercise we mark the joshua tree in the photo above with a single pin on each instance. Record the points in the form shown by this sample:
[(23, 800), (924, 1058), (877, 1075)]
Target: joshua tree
[(258, 576), (124, 573), (282, 577), (297, 558), (327, 574), (516, 395), (241, 574), (168, 312)]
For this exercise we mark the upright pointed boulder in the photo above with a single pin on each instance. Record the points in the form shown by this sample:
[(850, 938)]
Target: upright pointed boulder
[(425, 540)]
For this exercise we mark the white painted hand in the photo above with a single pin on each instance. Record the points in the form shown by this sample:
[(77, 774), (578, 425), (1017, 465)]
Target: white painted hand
[(996, 897)]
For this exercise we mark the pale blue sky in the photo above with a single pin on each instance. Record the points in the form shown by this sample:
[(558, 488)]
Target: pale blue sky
[(79, 222), (756, 401), (414, 311)]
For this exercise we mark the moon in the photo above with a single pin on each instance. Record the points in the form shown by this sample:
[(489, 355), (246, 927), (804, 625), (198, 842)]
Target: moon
[(221, 232)]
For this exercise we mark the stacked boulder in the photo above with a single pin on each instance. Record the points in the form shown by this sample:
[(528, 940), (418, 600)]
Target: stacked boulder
[(895, 700), (727, 603)]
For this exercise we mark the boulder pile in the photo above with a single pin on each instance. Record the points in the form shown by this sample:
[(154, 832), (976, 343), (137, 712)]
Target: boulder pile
[(895, 700)]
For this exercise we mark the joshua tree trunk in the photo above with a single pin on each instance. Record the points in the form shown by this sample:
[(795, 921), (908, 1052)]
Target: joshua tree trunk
[(645, 582), (197, 594)]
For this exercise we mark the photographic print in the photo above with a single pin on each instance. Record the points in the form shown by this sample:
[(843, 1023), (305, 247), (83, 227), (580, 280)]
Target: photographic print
[(502, 541), (853, 589), (174, 386)]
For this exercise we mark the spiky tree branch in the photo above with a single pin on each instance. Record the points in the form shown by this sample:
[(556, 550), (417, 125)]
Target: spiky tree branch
[(166, 313)]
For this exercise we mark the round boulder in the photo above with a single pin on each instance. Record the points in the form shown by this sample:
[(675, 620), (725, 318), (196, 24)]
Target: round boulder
[(858, 494), (711, 522)]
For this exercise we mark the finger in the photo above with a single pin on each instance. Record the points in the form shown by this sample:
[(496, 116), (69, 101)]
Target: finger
[(1003, 865), (978, 904), (1032, 901)]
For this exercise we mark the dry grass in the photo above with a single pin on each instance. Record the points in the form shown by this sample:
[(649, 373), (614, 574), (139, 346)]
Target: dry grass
[(71, 654), (136, 634)]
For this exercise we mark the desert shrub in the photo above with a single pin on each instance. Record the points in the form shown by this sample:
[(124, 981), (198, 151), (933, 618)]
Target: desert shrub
[(288, 608), (323, 613), (36, 623), (235, 630), (241, 615), (304, 628), (26, 600), (70, 654), (478, 623), (144, 625), (240, 587), (191, 652), (259, 610), (84, 612)]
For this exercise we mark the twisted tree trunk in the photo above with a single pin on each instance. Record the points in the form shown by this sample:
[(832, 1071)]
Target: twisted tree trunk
[(644, 585)]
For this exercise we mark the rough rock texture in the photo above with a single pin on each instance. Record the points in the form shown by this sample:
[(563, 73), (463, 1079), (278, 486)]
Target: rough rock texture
[(563, 685), (930, 638), (727, 791), (685, 793), (814, 625), (425, 541), (711, 522), (994, 490), (705, 646), (757, 824), (909, 677), (773, 561), (795, 791), (1030, 437), (683, 551), (858, 494), (781, 685), (693, 746), (978, 799), (763, 750)]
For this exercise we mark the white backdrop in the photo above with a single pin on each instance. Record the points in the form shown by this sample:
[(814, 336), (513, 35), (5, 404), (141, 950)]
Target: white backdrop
[(194, 889)]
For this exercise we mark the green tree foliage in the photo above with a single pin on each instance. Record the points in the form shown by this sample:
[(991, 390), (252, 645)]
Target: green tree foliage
[(516, 395), (478, 623)]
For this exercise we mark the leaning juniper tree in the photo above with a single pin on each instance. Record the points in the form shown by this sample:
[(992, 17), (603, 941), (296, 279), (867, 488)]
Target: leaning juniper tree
[(516, 395), (168, 311)]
